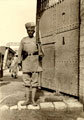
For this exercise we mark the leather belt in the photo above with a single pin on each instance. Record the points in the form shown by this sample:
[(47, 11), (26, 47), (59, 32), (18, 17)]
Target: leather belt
[(30, 54)]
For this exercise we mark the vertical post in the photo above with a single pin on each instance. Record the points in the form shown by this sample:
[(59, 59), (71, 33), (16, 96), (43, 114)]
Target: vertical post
[(5, 58), (1, 70)]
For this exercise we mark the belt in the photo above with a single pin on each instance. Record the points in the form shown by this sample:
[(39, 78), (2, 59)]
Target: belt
[(30, 54)]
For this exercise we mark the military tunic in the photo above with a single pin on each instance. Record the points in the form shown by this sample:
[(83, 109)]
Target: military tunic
[(30, 62)]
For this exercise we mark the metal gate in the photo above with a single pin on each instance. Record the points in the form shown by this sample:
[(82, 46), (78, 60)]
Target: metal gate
[(59, 26)]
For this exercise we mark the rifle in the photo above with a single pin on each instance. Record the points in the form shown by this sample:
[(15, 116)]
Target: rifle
[(41, 55), (40, 48)]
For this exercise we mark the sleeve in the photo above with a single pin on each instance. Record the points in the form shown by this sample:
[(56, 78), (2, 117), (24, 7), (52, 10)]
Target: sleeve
[(20, 53)]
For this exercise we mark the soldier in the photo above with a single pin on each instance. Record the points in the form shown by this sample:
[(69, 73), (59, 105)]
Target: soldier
[(29, 58)]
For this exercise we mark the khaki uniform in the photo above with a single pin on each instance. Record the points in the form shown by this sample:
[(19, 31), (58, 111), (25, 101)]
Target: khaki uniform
[(28, 56)]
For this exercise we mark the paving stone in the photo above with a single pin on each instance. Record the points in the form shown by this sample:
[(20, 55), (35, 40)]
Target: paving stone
[(47, 106), (14, 107), (74, 106), (60, 106), (80, 118), (19, 105), (33, 107), (4, 107)]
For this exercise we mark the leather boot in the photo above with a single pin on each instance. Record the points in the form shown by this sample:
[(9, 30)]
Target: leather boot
[(27, 97), (33, 96)]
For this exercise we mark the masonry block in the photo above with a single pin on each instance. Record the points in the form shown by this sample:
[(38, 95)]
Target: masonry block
[(60, 106), (47, 106), (74, 106), (14, 107), (33, 107)]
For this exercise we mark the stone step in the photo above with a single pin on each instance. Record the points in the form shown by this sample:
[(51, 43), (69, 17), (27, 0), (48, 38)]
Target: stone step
[(60, 106), (74, 106), (48, 106)]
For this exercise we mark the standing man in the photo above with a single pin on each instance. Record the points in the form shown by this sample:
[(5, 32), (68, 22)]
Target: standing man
[(29, 58)]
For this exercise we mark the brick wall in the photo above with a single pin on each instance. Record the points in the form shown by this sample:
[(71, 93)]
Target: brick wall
[(81, 81)]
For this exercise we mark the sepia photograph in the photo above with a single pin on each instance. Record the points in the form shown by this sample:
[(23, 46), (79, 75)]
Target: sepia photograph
[(41, 59)]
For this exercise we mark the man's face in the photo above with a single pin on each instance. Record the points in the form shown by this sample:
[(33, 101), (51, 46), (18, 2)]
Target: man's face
[(30, 31)]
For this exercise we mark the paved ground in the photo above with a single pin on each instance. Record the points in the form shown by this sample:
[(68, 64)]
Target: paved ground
[(38, 115), (12, 93)]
